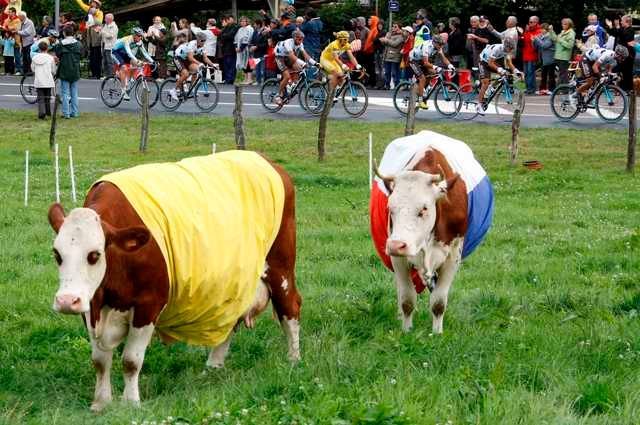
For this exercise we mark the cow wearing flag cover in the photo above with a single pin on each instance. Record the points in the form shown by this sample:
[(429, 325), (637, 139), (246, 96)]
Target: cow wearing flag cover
[(431, 206)]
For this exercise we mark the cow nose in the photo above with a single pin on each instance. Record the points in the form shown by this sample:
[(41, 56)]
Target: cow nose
[(397, 248), (68, 304)]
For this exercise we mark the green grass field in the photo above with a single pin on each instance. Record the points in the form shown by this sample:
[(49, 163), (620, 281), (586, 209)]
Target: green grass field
[(542, 325)]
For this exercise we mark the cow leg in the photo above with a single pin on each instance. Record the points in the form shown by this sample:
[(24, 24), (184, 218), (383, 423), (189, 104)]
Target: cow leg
[(440, 295), (286, 304), (132, 358), (218, 354), (106, 336), (407, 296)]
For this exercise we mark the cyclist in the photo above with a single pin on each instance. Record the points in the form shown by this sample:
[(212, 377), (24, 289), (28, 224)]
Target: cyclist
[(125, 51), (330, 58), (421, 60), (52, 40), (287, 59), (592, 64), (185, 58), (489, 62)]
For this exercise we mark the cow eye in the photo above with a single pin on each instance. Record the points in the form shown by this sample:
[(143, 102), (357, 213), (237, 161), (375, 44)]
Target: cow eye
[(57, 256), (93, 257)]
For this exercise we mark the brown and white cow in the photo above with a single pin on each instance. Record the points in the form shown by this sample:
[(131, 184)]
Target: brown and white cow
[(112, 271), (432, 209)]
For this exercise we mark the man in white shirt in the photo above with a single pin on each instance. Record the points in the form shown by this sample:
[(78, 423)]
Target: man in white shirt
[(109, 38)]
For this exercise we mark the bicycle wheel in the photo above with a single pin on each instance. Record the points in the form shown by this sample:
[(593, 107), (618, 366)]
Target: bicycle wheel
[(611, 103), (111, 92), (268, 93), (166, 99), (468, 108), (355, 99), (562, 105), (206, 95), (28, 90), (506, 102), (446, 99), (315, 96), (401, 95), (154, 91)]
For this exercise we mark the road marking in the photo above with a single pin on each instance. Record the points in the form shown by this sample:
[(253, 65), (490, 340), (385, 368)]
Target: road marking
[(17, 95)]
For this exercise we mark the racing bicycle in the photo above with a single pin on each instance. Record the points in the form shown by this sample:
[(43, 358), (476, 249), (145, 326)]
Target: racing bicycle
[(352, 93), (270, 91), (198, 86), (112, 93), (445, 94), (609, 101), (499, 97), (28, 89)]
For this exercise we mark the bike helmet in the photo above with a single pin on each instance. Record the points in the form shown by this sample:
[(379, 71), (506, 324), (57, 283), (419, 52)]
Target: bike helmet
[(53, 33), (437, 39), (509, 43), (201, 36), (621, 51), (137, 31)]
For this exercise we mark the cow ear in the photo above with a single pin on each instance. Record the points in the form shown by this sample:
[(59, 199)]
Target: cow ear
[(445, 186), (129, 239), (56, 216)]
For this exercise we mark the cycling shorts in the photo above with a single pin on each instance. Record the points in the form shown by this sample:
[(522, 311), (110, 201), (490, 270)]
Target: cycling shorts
[(587, 67), (418, 68), (120, 57), (284, 63), (331, 66)]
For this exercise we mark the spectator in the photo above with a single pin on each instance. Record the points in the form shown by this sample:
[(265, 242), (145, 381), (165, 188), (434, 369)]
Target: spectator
[(258, 48), (546, 48), (421, 28), (456, 43), (565, 41), (211, 43), (94, 14), (378, 52), (299, 21), (312, 29), (368, 51), (13, 24), (285, 30), (480, 35), (157, 36), (229, 30), (182, 27), (154, 34), (109, 38), (43, 65), (27, 34), (591, 38), (392, 55), (45, 26), (93, 39), (405, 69), (8, 52), (68, 52), (625, 36), (597, 29), (512, 31), (530, 54), (241, 40)]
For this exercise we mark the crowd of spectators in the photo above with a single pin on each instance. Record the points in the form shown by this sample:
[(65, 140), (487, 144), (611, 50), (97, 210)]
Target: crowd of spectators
[(247, 45)]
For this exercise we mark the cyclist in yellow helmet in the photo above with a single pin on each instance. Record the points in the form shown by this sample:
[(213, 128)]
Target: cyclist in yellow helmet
[(330, 58)]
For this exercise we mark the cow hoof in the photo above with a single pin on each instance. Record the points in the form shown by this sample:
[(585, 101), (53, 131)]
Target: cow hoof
[(98, 406), (294, 357), (213, 365)]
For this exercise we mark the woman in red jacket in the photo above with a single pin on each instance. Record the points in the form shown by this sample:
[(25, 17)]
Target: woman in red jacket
[(530, 54)]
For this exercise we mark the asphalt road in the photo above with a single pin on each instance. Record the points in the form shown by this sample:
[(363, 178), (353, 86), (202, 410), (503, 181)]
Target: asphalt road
[(537, 110)]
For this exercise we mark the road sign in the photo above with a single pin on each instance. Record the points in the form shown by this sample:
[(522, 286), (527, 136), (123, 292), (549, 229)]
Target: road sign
[(394, 6)]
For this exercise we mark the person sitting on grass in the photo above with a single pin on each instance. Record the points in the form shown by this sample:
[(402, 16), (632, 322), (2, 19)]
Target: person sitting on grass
[(186, 60), (43, 66)]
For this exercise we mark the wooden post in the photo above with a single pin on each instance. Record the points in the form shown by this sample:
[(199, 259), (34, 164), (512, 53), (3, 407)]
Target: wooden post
[(144, 130), (631, 148), (54, 120), (410, 125), (322, 127), (238, 121), (515, 127)]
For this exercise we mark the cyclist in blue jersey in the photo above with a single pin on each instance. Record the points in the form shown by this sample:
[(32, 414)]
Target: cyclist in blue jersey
[(52, 40), (126, 51), (185, 58)]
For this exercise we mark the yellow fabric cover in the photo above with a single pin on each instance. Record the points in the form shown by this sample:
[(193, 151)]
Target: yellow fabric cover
[(215, 218)]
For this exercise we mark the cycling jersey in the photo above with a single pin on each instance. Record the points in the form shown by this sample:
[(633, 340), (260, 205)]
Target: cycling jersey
[(602, 56), (127, 47), (424, 50), (182, 51), (283, 48), (334, 48), (493, 51)]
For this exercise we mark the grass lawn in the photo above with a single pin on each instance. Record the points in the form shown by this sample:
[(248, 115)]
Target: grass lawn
[(542, 325)]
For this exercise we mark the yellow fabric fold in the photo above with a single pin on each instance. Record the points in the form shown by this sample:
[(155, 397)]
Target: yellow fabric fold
[(215, 218)]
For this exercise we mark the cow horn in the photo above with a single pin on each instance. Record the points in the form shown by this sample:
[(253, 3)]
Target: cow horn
[(441, 174), (386, 179)]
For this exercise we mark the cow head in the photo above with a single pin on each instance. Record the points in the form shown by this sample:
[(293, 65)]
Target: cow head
[(412, 210), (80, 251)]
